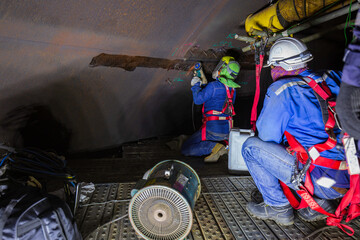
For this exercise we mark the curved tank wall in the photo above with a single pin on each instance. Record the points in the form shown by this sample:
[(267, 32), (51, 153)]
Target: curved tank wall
[(47, 88)]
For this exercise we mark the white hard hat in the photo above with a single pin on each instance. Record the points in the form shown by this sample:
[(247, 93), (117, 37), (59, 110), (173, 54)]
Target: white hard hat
[(289, 53)]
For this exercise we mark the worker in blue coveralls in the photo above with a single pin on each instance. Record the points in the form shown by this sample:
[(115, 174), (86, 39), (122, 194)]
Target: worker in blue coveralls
[(348, 101), (291, 107), (217, 98)]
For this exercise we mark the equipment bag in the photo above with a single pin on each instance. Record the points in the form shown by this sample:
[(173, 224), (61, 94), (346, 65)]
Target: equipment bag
[(27, 214)]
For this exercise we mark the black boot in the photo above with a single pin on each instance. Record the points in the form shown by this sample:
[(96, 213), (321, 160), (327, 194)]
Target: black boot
[(281, 215)]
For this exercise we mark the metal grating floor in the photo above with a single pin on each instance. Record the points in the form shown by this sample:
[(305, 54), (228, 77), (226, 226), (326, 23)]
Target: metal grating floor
[(219, 214)]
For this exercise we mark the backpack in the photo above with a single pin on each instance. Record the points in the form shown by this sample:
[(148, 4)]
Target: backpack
[(27, 214)]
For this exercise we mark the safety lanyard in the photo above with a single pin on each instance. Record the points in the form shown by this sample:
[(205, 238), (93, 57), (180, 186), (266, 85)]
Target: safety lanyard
[(259, 59)]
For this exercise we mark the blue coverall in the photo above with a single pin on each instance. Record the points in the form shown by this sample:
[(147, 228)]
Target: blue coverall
[(213, 96), (291, 105)]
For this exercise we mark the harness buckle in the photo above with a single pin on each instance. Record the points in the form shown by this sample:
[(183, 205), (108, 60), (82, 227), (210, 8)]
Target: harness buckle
[(298, 176)]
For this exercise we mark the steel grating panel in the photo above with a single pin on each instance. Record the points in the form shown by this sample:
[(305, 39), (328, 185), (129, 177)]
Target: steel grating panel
[(208, 225), (220, 213), (218, 218)]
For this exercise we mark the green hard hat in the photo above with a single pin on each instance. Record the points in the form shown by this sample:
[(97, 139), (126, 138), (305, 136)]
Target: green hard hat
[(230, 68)]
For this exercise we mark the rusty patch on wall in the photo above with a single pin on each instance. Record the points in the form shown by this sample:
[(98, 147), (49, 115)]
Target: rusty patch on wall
[(209, 58)]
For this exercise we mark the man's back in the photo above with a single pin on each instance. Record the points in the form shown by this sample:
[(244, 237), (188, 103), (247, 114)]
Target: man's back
[(291, 105), (213, 95)]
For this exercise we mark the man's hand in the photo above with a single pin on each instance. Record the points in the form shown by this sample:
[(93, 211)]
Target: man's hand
[(195, 80)]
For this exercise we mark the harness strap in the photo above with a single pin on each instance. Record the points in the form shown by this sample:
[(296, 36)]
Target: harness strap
[(228, 101), (308, 201), (302, 155), (213, 118)]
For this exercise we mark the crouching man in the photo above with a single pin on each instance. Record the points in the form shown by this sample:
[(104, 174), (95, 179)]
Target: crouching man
[(293, 145)]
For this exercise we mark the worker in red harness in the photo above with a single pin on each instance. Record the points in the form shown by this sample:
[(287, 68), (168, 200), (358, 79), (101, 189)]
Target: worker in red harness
[(297, 143), (217, 98)]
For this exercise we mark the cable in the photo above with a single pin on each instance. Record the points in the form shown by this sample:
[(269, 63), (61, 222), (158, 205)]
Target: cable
[(214, 193), (192, 115), (2, 161), (105, 224), (309, 237), (9, 149), (101, 203), (38, 162), (348, 19)]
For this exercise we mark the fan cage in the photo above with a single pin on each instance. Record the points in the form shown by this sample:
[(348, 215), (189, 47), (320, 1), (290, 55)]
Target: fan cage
[(173, 200)]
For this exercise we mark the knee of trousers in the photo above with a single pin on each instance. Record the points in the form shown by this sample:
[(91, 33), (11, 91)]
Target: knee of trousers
[(250, 142)]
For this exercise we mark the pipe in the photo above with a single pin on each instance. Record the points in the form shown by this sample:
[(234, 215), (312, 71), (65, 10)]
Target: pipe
[(244, 38), (284, 12), (304, 26), (319, 34)]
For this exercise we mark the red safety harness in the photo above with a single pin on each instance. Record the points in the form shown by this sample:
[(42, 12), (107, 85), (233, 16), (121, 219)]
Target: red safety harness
[(228, 105), (311, 158)]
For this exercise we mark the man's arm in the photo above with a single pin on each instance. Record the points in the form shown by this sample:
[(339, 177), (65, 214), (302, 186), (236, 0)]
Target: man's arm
[(274, 117), (201, 95)]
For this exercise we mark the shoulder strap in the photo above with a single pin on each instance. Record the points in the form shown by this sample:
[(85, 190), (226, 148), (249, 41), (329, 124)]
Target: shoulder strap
[(229, 101), (326, 100), (7, 212)]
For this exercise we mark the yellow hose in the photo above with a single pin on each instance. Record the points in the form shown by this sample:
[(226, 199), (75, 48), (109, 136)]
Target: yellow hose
[(279, 15)]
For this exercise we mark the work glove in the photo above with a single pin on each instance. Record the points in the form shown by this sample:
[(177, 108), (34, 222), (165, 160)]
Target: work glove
[(195, 80)]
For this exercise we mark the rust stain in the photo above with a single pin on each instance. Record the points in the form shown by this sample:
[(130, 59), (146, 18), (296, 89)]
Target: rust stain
[(129, 63)]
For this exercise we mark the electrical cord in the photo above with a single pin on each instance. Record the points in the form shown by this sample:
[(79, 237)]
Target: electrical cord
[(38, 162), (105, 224), (101, 203), (348, 23), (192, 115), (35, 162), (320, 230)]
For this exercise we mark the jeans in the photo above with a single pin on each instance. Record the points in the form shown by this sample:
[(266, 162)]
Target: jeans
[(194, 146), (268, 163)]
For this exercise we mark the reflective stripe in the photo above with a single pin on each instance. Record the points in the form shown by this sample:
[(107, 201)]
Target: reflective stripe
[(290, 84)]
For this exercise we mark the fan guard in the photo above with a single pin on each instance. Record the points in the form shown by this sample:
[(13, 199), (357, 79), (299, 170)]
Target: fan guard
[(161, 213)]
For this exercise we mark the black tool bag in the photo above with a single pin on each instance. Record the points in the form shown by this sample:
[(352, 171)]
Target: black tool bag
[(27, 214)]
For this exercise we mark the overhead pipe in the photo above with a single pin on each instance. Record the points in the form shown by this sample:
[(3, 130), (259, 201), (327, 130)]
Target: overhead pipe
[(280, 15), (299, 28), (322, 33)]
